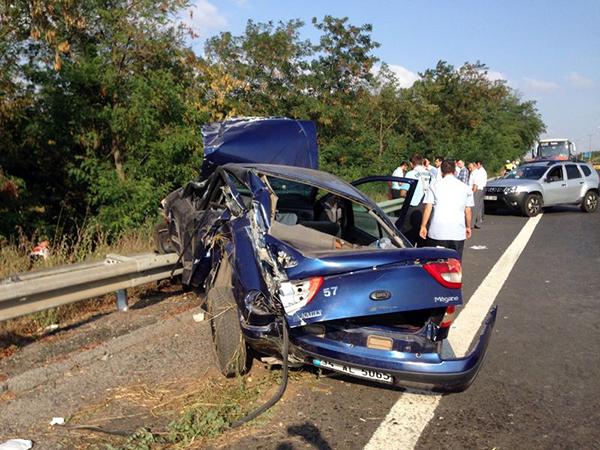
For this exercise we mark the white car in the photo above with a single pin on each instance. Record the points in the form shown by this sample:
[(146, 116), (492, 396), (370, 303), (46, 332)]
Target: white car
[(535, 185)]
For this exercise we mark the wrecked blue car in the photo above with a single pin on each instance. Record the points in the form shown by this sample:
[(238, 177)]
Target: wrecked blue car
[(287, 250)]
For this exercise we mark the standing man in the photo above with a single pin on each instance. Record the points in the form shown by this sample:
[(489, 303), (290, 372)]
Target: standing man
[(399, 172), (437, 162), (412, 222), (462, 173), (473, 186), (480, 181), (448, 203)]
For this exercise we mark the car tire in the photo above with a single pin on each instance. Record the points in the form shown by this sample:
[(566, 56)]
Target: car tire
[(532, 205), (162, 239), (228, 342), (589, 204)]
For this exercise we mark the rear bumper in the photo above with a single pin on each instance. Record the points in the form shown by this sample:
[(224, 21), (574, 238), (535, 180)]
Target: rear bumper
[(426, 371)]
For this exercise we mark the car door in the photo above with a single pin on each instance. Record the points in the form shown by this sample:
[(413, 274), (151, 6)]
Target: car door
[(575, 183), (379, 189), (555, 186)]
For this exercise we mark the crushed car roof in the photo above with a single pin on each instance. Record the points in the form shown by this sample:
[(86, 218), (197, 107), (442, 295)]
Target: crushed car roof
[(312, 177)]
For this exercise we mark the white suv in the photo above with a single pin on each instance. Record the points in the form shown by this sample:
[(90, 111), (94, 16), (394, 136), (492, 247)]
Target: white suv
[(537, 184)]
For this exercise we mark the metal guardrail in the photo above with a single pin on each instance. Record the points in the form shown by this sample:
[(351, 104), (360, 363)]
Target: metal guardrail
[(31, 292), (389, 206)]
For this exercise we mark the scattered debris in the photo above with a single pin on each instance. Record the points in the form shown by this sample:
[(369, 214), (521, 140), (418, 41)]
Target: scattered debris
[(51, 327), (198, 317), (16, 444), (57, 421), (478, 247)]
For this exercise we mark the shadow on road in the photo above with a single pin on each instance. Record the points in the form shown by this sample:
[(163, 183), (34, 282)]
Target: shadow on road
[(311, 435)]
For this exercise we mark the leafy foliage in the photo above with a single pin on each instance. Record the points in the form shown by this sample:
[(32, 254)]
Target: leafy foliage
[(101, 106)]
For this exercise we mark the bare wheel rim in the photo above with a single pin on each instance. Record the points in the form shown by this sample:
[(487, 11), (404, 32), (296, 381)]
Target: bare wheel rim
[(533, 205), (591, 202)]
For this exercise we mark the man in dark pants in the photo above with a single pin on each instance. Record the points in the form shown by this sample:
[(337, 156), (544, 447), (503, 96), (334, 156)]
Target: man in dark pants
[(448, 203)]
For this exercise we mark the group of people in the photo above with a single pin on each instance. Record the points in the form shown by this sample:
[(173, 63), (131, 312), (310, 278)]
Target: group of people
[(447, 201)]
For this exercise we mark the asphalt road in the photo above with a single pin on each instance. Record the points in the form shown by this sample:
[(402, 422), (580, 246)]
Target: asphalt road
[(539, 386)]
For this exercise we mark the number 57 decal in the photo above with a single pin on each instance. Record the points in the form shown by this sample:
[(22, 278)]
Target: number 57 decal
[(330, 291)]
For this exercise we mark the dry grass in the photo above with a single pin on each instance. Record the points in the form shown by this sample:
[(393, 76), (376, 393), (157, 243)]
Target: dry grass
[(185, 413), (88, 244)]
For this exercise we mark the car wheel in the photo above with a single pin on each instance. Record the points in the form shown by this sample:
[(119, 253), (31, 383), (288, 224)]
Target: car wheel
[(228, 341), (590, 202), (532, 205), (162, 239)]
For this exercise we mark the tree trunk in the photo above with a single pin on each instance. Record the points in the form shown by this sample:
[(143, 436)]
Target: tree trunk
[(118, 159), (380, 135)]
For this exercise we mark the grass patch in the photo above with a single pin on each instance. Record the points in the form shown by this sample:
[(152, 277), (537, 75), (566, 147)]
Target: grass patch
[(88, 244), (186, 413), (206, 413)]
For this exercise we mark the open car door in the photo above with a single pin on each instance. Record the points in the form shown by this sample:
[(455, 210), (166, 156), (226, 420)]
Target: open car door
[(392, 194)]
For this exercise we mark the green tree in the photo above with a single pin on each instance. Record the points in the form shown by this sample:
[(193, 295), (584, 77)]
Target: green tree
[(110, 128)]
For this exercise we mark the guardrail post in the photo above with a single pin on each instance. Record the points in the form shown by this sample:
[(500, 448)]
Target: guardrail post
[(122, 300)]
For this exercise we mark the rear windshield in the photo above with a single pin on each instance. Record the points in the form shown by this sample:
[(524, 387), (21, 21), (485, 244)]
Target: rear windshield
[(282, 187), (527, 173)]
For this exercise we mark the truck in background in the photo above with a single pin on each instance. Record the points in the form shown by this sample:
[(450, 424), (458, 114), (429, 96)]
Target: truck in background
[(559, 149)]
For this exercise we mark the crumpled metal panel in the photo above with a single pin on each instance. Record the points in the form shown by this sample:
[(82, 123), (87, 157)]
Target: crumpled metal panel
[(273, 140)]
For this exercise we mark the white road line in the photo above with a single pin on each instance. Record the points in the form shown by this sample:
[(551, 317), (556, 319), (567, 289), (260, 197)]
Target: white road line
[(409, 416)]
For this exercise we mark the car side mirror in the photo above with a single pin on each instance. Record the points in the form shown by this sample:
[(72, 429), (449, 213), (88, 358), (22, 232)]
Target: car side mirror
[(546, 180)]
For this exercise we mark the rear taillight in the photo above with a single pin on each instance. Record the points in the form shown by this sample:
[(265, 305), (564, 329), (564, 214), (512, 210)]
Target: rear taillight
[(297, 294), (448, 317), (447, 273)]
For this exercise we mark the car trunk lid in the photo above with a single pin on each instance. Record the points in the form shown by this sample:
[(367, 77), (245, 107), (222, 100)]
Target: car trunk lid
[(346, 285)]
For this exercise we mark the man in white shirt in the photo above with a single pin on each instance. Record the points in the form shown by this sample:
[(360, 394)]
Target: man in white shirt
[(414, 213), (437, 171), (448, 203), (399, 172)]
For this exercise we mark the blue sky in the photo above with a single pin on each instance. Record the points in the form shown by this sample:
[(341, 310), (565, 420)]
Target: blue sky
[(549, 51)]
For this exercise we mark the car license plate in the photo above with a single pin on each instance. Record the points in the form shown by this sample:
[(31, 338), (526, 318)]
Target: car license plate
[(490, 197), (355, 371)]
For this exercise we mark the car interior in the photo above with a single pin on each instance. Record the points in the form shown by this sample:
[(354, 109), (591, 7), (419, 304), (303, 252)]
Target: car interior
[(555, 174), (311, 219)]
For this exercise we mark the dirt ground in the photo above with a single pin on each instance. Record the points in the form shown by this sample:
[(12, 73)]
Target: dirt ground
[(112, 373)]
